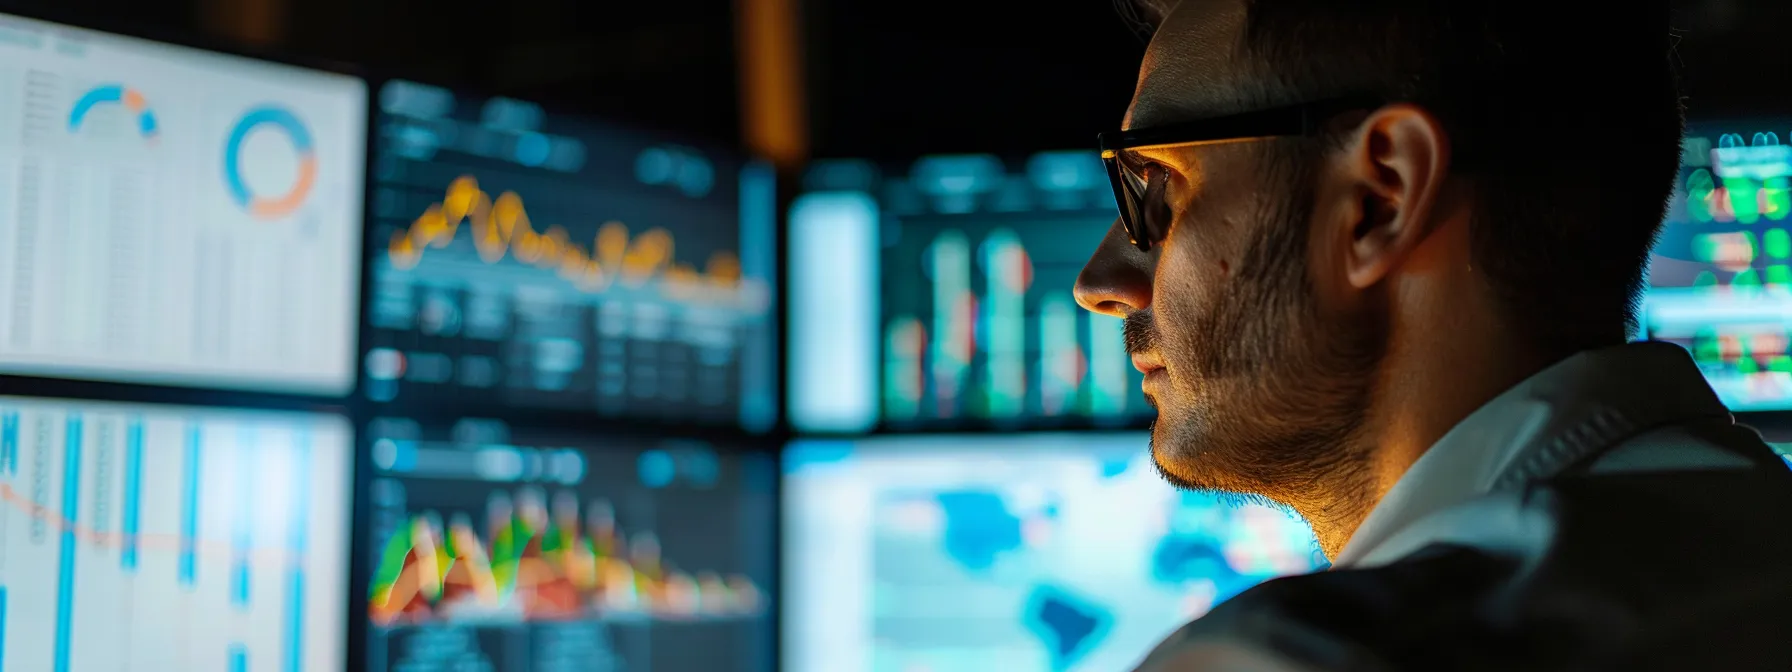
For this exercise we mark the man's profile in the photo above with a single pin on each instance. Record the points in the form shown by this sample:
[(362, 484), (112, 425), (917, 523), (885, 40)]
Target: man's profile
[(1360, 286)]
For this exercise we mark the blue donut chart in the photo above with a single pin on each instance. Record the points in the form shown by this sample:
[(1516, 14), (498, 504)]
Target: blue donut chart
[(114, 94), (270, 207)]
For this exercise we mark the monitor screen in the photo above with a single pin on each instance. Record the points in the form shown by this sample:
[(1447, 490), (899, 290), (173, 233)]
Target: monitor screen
[(547, 261), (967, 265), (1058, 552), (175, 216), (149, 538), (1720, 279), (534, 552)]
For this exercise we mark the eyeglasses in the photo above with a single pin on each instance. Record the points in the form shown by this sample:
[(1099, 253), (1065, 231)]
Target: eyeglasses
[(1139, 185)]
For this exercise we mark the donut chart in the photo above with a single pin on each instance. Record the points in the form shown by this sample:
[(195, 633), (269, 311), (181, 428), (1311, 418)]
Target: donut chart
[(114, 94), (264, 206)]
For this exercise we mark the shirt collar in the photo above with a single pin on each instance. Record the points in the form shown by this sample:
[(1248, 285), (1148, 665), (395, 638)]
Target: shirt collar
[(1555, 418)]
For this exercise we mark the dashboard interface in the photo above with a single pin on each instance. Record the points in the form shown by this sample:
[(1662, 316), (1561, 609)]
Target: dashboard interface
[(1720, 279), (535, 260), (969, 261), (531, 552), (147, 538), (175, 216)]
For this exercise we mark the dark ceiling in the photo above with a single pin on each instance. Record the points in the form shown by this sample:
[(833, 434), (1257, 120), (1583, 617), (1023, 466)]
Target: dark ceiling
[(887, 78)]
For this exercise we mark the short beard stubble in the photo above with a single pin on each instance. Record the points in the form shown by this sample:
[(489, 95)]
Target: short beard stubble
[(1281, 390)]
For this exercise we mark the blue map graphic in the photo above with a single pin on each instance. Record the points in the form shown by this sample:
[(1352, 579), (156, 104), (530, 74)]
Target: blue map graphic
[(1070, 626), (979, 528)]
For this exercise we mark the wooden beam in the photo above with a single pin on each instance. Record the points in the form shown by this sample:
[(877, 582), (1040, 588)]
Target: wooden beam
[(774, 111), (259, 23)]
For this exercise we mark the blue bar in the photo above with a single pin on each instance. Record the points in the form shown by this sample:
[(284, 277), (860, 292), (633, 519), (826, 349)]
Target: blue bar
[(239, 658), (9, 442), (243, 538), (295, 597), (133, 492), (189, 525), (65, 576), (2, 627)]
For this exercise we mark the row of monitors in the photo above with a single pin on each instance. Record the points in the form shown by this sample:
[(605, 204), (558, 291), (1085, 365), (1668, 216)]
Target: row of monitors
[(140, 537), (174, 216), (937, 295), (180, 217)]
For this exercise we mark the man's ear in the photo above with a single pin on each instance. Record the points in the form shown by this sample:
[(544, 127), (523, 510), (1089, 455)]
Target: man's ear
[(1394, 165)]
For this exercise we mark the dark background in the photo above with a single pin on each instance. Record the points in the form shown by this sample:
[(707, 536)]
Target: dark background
[(886, 79)]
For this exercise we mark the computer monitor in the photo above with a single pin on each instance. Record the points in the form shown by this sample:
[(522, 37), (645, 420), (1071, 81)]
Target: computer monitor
[(514, 551), (1720, 279), (1049, 552), (176, 216), (529, 259), (147, 538), (937, 294)]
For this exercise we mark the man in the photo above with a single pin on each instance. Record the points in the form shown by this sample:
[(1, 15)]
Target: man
[(1379, 261)]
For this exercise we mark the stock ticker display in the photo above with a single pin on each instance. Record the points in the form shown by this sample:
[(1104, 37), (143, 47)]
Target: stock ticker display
[(144, 538), (175, 216), (1721, 275), (532, 259), (977, 323), (1041, 552), (499, 551)]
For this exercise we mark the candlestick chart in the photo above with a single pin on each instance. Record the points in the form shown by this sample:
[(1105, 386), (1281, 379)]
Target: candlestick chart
[(622, 553), (1721, 273), (546, 261), (980, 325)]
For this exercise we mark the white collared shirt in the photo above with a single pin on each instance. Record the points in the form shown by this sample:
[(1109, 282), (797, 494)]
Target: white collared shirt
[(1640, 406), (1539, 427)]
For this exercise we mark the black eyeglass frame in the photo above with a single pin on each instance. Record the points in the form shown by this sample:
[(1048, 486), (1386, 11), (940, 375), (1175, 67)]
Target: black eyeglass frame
[(1302, 119)]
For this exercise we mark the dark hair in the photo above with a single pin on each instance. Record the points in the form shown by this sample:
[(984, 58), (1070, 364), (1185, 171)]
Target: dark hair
[(1570, 129)]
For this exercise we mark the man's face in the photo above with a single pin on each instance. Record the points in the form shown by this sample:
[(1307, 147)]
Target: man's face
[(1258, 380)]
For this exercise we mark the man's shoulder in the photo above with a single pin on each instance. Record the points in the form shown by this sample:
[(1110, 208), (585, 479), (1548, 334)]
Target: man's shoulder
[(1651, 569)]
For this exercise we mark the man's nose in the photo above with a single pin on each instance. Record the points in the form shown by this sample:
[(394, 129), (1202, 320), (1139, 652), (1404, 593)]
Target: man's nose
[(1117, 279)]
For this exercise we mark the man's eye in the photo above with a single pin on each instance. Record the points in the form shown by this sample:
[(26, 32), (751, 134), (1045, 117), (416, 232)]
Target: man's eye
[(1155, 174), (1147, 171)]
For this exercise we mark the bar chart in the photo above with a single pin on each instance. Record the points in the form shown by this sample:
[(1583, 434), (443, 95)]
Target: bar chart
[(159, 538), (980, 324), (1721, 274)]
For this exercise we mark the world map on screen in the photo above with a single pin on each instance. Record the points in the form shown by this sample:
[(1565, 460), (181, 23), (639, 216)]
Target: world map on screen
[(1085, 570)]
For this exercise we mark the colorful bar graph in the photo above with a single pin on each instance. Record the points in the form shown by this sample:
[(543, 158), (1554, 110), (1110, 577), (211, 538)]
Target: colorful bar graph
[(133, 493), (1005, 342), (905, 378), (1060, 359), (953, 308), (65, 572), (297, 540), (1108, 367), (1004, 325), (189, 526)]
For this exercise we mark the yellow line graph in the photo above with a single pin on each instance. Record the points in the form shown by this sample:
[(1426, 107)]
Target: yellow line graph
[(501, 228)]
